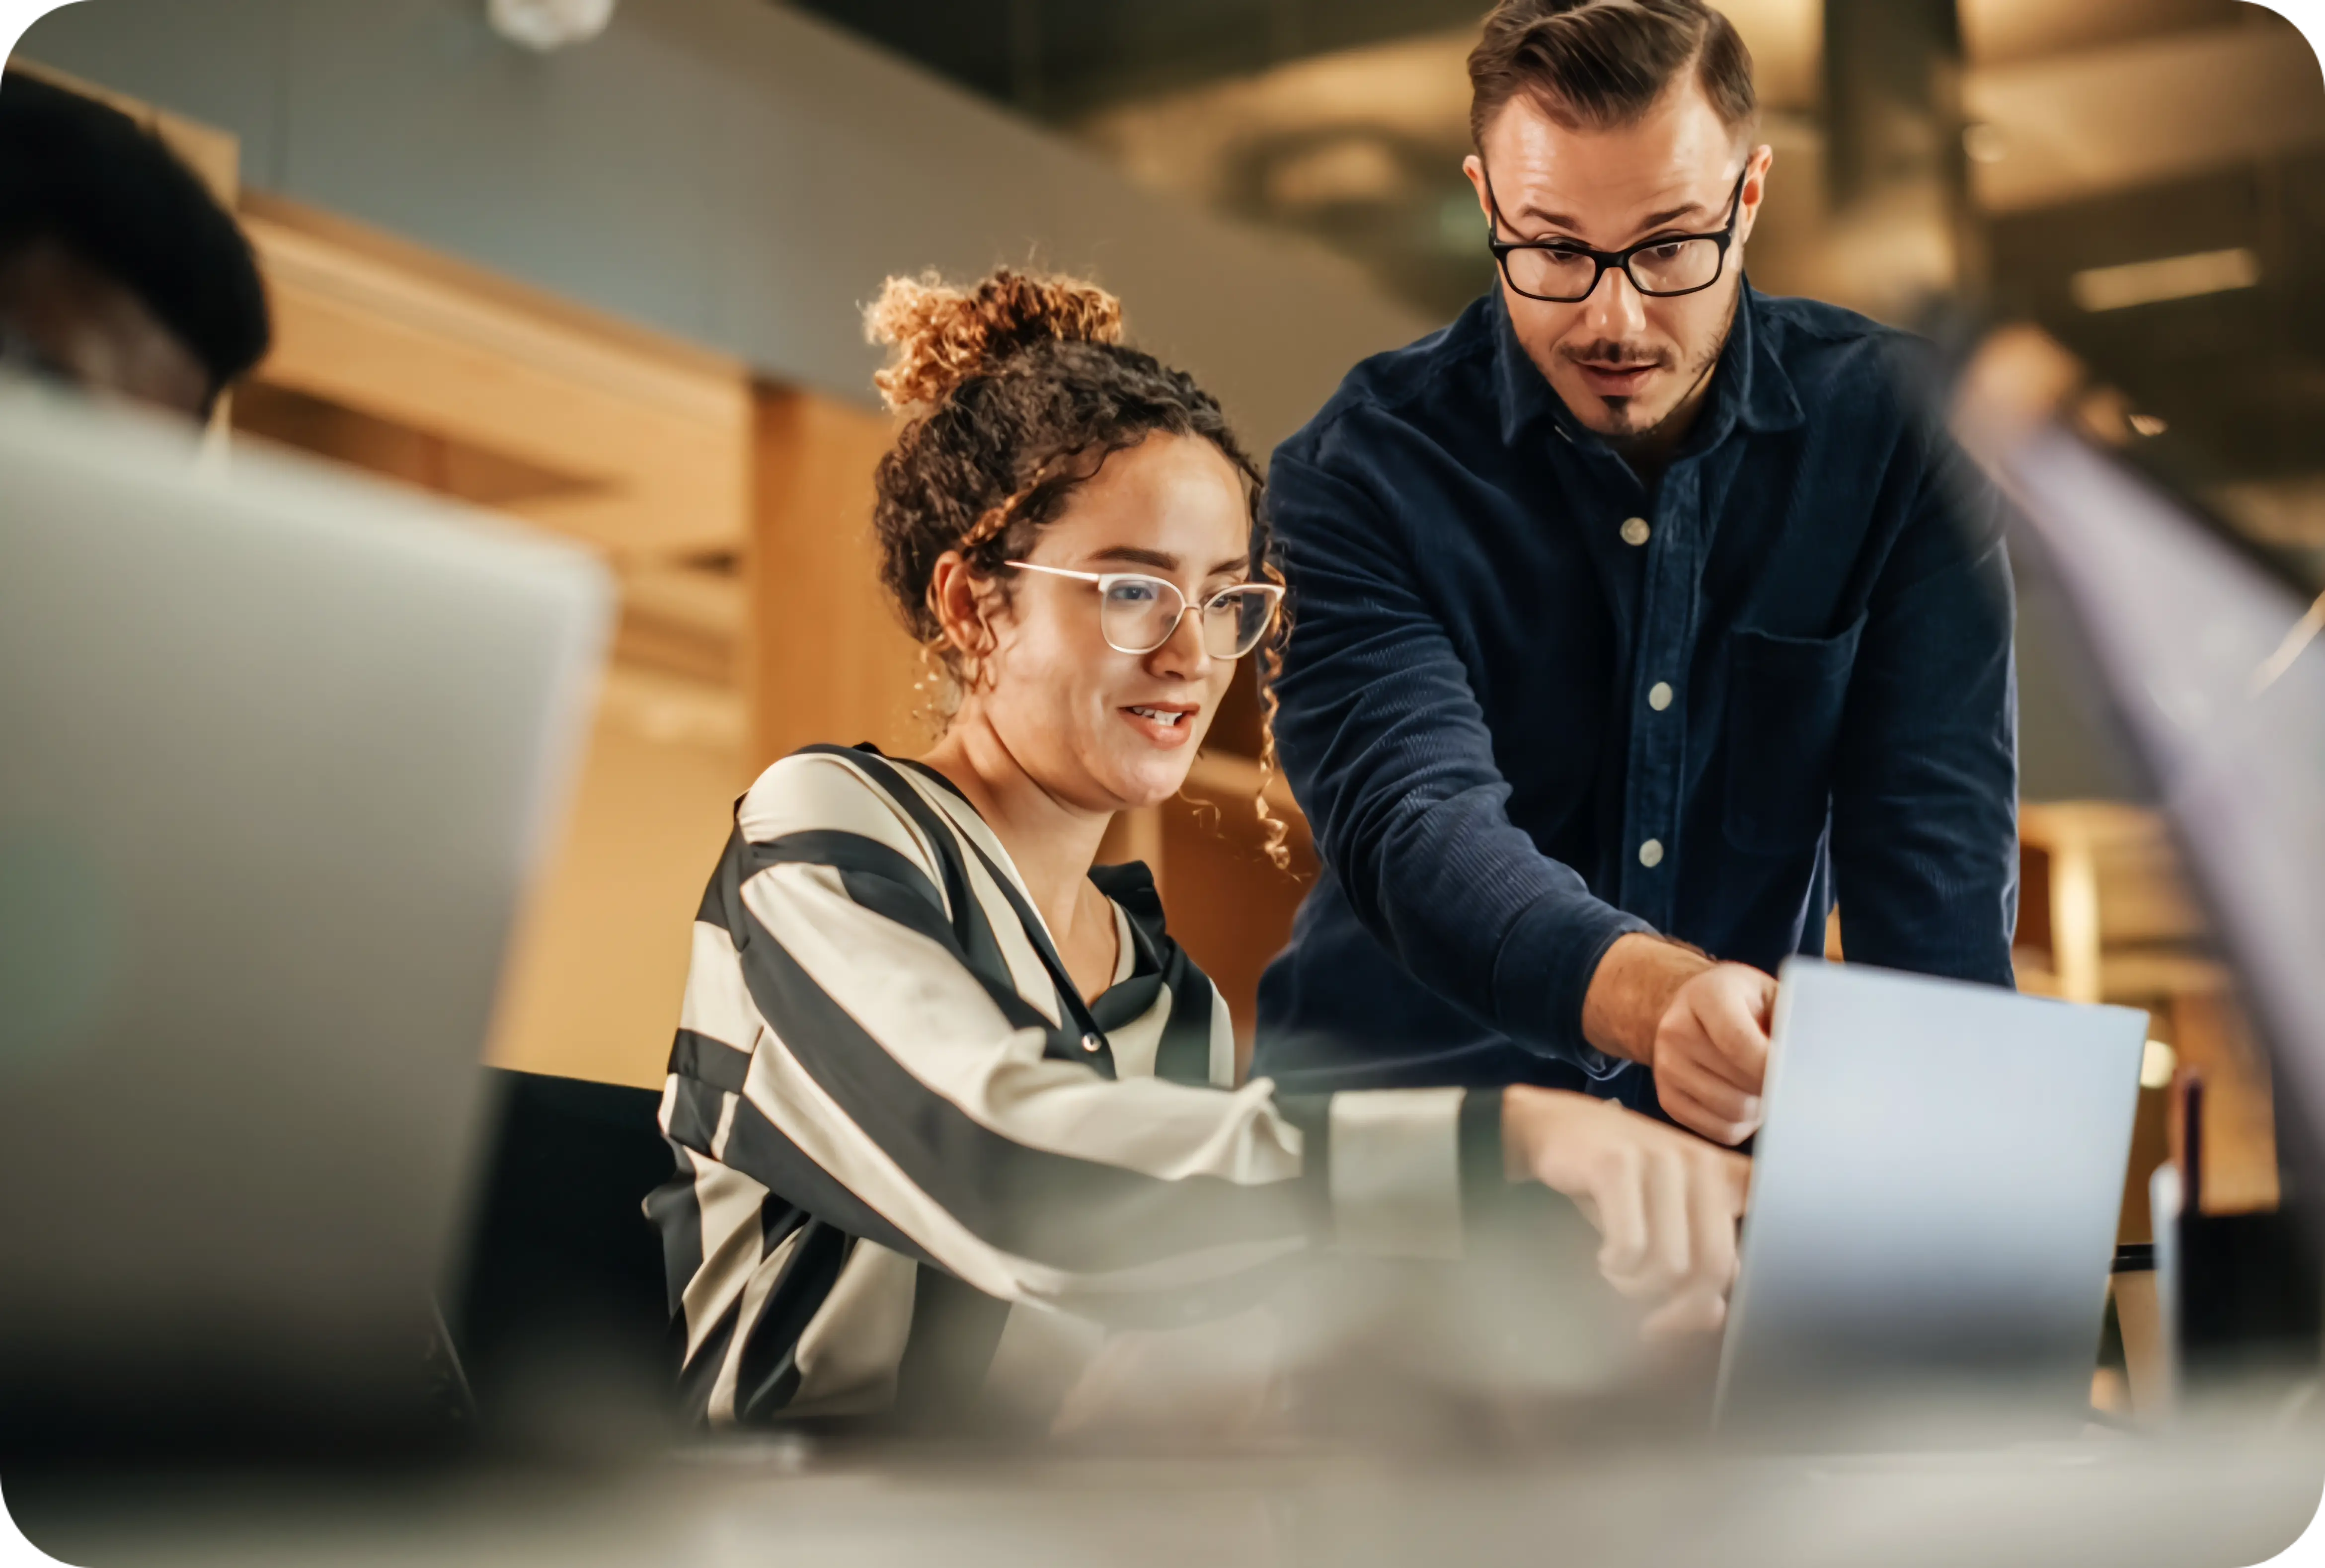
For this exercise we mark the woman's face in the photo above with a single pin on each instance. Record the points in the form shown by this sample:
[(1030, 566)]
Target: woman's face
[(1101, 729)]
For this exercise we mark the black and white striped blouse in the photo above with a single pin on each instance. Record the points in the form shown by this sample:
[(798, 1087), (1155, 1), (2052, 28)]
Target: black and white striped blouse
[(895, 1122)]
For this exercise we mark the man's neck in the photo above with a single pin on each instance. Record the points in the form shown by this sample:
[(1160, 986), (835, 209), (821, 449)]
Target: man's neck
[(1650, 452)]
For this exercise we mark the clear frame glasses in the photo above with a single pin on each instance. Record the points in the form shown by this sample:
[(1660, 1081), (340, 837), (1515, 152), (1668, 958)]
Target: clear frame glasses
[(1137, 614), (1565, 271)]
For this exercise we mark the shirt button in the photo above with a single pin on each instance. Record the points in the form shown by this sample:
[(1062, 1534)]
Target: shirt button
[(1650, 853), (1659, 695), (1636, 530), (1091, 1042)]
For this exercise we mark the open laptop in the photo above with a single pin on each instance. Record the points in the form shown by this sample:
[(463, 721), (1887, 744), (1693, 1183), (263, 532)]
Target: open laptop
[(278, 749), (1934, 1198)]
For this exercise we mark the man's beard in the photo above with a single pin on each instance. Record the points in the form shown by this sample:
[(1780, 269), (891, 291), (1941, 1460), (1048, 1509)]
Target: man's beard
[(1626, 436)]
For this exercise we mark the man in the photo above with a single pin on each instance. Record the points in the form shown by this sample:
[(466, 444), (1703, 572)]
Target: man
[(119, 272), (1635, 615)]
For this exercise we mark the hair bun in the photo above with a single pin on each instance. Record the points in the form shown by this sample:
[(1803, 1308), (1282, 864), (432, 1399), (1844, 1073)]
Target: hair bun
[(945, 335)]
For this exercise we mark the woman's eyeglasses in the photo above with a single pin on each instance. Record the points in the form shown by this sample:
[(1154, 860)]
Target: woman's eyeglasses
[(1137, 614)]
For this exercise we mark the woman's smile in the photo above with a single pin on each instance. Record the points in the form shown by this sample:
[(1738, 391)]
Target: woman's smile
[(1169, 724)]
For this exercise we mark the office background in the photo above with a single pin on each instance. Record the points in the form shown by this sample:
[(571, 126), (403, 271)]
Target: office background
[(614, 291)]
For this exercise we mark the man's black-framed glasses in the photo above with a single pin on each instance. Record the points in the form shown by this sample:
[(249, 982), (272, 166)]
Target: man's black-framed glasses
[(1564, 271)]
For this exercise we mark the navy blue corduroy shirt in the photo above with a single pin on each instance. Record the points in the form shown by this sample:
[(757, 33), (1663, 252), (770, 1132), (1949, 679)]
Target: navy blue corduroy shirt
[(1529, 704)]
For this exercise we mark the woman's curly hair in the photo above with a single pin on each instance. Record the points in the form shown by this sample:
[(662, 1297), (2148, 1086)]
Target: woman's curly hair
[(1016, 389)]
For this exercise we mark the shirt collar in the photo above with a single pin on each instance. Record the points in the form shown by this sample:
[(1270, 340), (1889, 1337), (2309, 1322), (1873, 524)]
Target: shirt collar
[(1751, 387)]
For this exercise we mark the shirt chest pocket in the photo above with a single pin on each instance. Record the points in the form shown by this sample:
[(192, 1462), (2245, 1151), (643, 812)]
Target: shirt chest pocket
[(1784, 701)]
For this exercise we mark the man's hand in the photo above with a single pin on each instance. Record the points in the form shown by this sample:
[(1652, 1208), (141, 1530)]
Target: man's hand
[(1665, 1203), (1710, 1051), (1701, 1026)]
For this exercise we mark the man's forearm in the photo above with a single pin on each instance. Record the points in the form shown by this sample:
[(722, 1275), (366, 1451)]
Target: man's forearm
[(1631, 990)]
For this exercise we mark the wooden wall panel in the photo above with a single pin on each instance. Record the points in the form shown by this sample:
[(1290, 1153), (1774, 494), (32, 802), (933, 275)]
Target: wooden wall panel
[(650, 436), (830, 662), (427, 372), (1226, 904), (599, 966)]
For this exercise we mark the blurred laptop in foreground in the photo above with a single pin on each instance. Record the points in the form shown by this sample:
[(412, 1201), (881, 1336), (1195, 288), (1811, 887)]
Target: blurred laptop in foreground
[(282, 752)]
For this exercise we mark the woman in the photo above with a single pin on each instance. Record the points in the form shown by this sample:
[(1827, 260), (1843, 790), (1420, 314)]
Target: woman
[(935, 1062)]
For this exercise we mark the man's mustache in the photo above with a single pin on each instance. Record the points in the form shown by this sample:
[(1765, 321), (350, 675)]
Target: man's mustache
[(1607, 352)]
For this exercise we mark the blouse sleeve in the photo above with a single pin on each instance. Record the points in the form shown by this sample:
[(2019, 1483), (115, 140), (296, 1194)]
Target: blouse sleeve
[(840, 1046)]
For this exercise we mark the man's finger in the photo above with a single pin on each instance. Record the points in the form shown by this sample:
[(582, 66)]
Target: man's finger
[(1731, 1020), (1681, 1106), (1710, 1091), (1684, 1108), (1688, 1037)]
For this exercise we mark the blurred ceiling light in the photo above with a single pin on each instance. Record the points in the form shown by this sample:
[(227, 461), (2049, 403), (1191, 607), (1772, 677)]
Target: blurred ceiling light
[(542, 25), (2172, 277), (2139, 114), (1349, 171), (2149, 424)]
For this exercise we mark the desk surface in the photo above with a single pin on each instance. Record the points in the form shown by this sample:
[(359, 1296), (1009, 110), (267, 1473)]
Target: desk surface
[(2111, 1499)]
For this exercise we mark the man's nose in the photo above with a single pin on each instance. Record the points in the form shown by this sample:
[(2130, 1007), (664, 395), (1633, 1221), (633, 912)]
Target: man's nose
[(1616, 309)]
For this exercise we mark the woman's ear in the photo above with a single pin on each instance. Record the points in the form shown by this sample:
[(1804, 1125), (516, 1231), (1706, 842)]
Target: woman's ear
[(958, 598)]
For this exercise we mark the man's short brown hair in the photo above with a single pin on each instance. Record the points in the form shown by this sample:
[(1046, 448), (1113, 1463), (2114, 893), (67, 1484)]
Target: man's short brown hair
[(1603, 63)]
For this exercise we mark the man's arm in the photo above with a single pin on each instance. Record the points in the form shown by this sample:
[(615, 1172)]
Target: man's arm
[(1388, 749), (1386, 744), (1700, 1025), (1925, 774)]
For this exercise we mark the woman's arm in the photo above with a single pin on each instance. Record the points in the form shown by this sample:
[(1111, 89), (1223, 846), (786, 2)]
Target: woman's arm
[(847, 1051)]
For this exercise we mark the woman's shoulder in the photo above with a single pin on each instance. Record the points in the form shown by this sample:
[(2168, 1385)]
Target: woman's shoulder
[(831, 789)]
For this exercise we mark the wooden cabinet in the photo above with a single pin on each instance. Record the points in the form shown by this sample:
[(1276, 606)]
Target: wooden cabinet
[(832, 663), (2105, 915), (432, 373)]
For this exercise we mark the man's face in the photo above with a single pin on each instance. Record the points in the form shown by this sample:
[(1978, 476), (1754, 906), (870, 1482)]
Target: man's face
[(86, 327), (1624, 362)]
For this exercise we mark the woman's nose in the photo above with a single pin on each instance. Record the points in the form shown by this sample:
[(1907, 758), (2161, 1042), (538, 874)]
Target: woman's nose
[(1183, 653)]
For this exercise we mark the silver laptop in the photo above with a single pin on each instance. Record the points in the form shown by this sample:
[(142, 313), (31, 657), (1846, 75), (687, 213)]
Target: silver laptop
[(1935, 1198), (277, 752)]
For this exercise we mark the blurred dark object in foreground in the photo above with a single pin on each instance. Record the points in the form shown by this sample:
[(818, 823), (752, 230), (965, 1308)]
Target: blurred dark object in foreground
[(562, 1322), (2247, 1292)]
